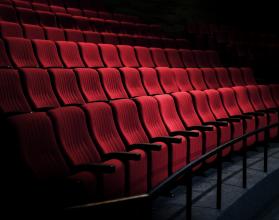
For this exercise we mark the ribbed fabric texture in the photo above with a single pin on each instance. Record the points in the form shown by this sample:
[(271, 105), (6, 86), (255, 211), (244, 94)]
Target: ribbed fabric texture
[(110, 55), (210, 78), (236, 76), (128, 56), (188, 58), (4, 59), (9, 29), (174, 58), (159, 57), (223, 77), (182, 79), (150, 81), (167, 79), (33, 31), (90, 55), (144, 57), (196, 78)]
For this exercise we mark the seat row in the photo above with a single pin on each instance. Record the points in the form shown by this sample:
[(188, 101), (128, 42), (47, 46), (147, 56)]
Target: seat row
[(29, 31), (129, 146), (71, 9), (64, 20)]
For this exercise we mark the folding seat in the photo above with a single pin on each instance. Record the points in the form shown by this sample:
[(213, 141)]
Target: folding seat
[(234, 111), (90, 55), (82, 23), (93, 37), (174, 125), (109, 38), (74, 11), (21, 52), (27, 16), (159, 57), (196, 78), (56, 2), (22, 4), (144, 56), (258, 104), (47, 19), (10, 29), (7, 13), (12, 99), (236, 76), (33, 31), (41, 1), (132, 82), (182, 79), (182, 43), (98, 24), (213, 58), (188, 58), (150, 81), (74, 35), (126, 39), (142, 41), (4, 59), (57, 9), (169, 42), (135, 160), (65, 21), (110, 55), (218, 110), (174, 58), (248, 76), (104, 14), (80, 150), (129, 125), (201, 58), (42, 158), (128, 56), (38, 87), (274, 90), (210, 78), (223, 77), (47, 54), (155, 41), (151, 119), (40, 7), (53, 33), (66, 87), (112, 83), (267, 98), (113, 26), (90, 84), (167, 79), (224, 133), (90, 13), (69, 52)]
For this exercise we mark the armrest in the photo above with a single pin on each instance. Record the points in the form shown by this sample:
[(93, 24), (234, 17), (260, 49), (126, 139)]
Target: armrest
[(185, 133), (97, 168), (167, 139), (255, 113), (217, 123), (122, 156), (268, 111), (230, 119), (201, 128), (242, 116), (145, 146)]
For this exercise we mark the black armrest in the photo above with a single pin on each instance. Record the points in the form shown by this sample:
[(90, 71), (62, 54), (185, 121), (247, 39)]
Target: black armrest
[(242, 116), (145, 146), (229, 119), (217, 123), (122, 156), (185, 133), (167, 139), (97, 168), (255, 113), (201, 128), (268, 111)]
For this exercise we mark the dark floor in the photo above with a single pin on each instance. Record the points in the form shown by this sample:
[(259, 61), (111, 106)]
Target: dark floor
[(204, 189), (271, 212)]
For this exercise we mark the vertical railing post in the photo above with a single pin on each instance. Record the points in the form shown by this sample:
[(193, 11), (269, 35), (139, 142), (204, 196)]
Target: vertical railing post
[(266, 133), (244, 164), (189, 186), (219, 180)]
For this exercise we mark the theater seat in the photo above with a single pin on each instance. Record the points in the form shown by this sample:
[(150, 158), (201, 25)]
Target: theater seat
[(167, 79), (128, 56), (53, 33), (4, 59), (33, 31), (27, 16), (10, 29), (93, 37), (236, 76), (110, 55), (223, 77), (196, 78), (144, 56), (210, 78), (74, 35), (248, 76), (201, 58), (174, 58), (7, 13), (47, 19), (188, 58), (159, 57), (90, 54), (182, 79)]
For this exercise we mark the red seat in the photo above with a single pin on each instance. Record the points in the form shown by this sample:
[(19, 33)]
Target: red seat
[(82, 23), (155, 128), (109, 38), (90, 84), (47, 53), (274, 90), (66, 87), (90, 54), (10, 29), (210, 78), (47, 19), (80, 149), (144, 57), (21, 52), (38, 86), (12, 99), (128, 121), (74, 11), (196, 78), (167, 79), (182, 79), (93, 37), (33, 31), (7, 13), (188, 58), (223, 77), (132, 82), (201, 58), (267, 97), (27, 16), (112, 83), (4, 59), (136, 170), (53, 33), (213, 58), (74, 35), (110, 55), (65, 21), (57, 9), (248, 76), (236, 76), (70, 54), (40, 7), (126, 39), (174, 58), (150, 81), (159, 57), (128, 56)]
